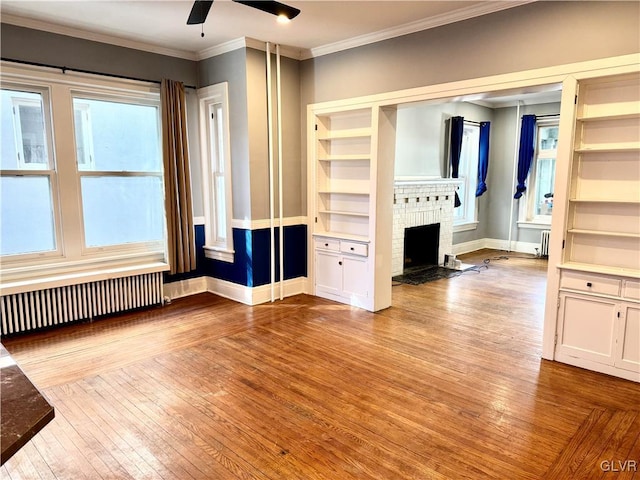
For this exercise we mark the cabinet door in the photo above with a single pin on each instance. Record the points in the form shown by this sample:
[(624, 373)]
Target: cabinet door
[(587, 328), (355, 276), (628, 345), (328, 272)]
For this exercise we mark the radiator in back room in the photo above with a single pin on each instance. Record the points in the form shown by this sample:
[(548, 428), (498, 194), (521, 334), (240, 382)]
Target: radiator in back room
[(544, 243), (21, 312)]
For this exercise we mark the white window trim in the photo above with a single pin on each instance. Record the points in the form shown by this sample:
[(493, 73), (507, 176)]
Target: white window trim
[(22, 272), (217, 250), (525, 204), (36, 171), (468, 222)]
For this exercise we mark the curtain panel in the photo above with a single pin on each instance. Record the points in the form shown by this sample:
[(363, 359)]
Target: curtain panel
[(525, 152), (457, 133), (177, 179), (483, 158)]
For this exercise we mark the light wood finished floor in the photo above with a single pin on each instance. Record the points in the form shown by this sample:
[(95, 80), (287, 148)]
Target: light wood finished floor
[(446, 384)]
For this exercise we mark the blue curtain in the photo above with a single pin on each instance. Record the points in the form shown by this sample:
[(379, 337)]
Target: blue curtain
[(525, 154), (457, 132), (483, 158)]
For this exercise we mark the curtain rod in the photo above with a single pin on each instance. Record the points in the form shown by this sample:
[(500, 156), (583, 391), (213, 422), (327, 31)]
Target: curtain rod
[(71, 69), (474, 122)]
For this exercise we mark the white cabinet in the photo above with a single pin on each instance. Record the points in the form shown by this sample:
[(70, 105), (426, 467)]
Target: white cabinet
[(350, 201), (599, 295), (628, 347), (342, 271), (587, 328), (599, 323)]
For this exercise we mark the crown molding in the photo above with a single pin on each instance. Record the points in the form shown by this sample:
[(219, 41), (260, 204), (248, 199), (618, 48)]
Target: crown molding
[(459, 15), (247, 42), (286, 51), (94, 36), (221, 48)]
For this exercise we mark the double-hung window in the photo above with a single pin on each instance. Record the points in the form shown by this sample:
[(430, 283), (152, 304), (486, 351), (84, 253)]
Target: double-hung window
[(538, 206), (120, 171), (465, 214), (29, 221), (216, 171), (81, 177)]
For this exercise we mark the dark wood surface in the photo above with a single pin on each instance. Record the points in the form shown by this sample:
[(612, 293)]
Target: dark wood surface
[(23, 409), (448, 383)]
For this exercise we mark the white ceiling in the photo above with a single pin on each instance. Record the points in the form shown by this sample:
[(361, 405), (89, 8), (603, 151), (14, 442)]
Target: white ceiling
[(323, 26)]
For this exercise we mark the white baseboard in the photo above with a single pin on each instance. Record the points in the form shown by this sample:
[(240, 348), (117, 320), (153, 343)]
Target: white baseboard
[(184, 288), (234, 291), (290, 287), (496, 244)]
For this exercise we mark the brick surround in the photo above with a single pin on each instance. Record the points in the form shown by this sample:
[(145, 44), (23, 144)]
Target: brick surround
[(422, 203)]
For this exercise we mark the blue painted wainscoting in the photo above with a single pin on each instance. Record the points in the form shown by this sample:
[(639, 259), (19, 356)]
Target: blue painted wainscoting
[(251, 264)]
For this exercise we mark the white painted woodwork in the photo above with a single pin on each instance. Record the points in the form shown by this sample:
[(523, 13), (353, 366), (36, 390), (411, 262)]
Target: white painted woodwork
[(350, 193), (598, 325), (587, 328), (628, 349)]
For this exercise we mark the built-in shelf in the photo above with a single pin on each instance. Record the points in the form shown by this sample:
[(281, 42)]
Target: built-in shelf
[(345, 134), (609, 148), (605, 200), (341, 192), (604, 234), (598, 307), (344, 213), (613, 116), (345, 158)]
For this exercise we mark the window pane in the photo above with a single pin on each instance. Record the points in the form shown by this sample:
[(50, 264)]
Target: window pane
[(548, 138), (221, 212), (124, 137), (120, 210), (26, 215), (24, 139), (545, 176)]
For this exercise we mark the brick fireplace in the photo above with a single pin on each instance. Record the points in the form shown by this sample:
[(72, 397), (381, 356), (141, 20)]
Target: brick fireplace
[(424, 202)]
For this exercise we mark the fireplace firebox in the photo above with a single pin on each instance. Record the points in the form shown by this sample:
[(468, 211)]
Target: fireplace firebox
[(421, 246)]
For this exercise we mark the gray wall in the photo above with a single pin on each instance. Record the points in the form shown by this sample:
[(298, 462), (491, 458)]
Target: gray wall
[(500, 176), (231, 67), (530, 36), (420, 136), (258, 135), (19, 43)]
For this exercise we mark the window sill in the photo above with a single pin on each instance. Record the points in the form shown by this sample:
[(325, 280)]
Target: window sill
[(535, 225), (53, 279), (218, 253), (465, 227)]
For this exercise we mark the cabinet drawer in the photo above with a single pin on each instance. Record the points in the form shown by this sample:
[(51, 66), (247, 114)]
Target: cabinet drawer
[(631, 289), (354, 248), (328, 244), (587, 282)]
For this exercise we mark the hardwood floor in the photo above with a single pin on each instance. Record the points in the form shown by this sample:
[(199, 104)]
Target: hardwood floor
[(446, 384)]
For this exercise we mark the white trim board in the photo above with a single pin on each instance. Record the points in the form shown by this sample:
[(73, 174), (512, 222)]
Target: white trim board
[(248, 224), (233, 291), (495, 244)]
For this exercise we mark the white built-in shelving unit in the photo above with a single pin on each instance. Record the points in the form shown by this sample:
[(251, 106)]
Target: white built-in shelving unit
[(350, 162), (599, 295)]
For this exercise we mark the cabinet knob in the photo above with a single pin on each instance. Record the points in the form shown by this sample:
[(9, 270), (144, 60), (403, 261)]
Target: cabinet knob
[(352, 249), (339, 263), (589, 284), (326, 244)]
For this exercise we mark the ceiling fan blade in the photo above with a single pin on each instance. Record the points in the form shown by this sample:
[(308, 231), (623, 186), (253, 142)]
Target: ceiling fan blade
[(272, 7), (199, 12)]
